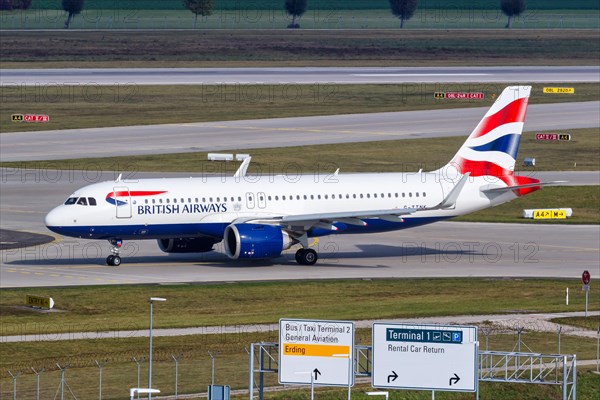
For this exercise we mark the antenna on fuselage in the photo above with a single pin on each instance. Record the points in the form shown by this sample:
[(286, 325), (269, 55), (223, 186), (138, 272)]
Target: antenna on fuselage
[(119, 178)]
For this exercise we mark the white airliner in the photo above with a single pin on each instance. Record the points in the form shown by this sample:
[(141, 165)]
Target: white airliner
[(259, 217)]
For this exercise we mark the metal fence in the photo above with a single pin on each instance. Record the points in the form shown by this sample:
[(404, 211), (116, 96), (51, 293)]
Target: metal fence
[(188, 371)]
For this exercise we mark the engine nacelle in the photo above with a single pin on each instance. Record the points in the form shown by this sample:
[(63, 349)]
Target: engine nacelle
[(187, 245), (255, 241)]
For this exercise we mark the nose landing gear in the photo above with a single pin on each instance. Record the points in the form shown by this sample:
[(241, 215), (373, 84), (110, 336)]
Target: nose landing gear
[(114, 260)]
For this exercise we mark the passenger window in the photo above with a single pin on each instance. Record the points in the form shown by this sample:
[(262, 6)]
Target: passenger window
[(319, 196), (375, 195), (326, 197), (396, 194), (282, 197), (146, 201), (269, 198), (368, 195), (70, 201), (92, 201), (82, 201), (297, 197), (153, 201), (168, 200), (409, 194), (276, 198), (424, 194), (312, 196), (417, 194)]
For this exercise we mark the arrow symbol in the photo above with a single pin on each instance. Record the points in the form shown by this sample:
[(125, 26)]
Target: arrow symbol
[(455, 378), (317, 373), (392, 377)]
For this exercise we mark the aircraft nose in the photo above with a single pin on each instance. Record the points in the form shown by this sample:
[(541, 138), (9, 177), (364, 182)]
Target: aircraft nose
[(55, 218)]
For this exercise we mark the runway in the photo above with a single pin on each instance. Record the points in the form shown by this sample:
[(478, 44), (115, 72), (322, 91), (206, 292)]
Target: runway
[(444, 249), (302, 75), (278, 132)]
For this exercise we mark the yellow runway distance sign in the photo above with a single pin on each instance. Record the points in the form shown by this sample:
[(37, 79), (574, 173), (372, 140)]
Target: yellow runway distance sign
[(549, 214), (39, 301), (559, 90)]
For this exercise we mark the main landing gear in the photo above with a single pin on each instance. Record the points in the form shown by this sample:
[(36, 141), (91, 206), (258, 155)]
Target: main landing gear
[(114, 260), (306, 256)]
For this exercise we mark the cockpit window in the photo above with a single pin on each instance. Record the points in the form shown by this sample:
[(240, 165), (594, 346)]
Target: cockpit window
[(71, 200), (91, 201), (82, 201)]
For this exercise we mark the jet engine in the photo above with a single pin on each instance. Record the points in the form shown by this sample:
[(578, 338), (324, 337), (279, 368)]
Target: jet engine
[(255, 241), (187, 245)]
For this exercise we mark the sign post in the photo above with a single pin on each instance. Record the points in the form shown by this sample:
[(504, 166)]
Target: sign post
[(425, 357), (586, 278), (323, 348)]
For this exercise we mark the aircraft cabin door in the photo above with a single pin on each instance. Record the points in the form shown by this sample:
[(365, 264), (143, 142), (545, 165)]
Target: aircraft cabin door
[(122, 200), (250, 200), (262, 200)]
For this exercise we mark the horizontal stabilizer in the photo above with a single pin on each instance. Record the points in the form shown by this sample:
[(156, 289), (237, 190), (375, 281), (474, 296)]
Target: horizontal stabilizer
[(516, 187)]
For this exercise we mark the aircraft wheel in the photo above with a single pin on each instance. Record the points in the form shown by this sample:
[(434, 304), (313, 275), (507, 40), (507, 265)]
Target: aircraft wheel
[(110, 259), (309, 257), (116, 261), (299, 256)]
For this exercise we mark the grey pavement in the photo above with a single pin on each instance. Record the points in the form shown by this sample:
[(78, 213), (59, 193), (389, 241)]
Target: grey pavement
[(296, 75), (278, 132)]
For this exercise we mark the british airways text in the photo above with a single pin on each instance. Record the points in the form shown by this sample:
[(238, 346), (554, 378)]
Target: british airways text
[(179, 209)]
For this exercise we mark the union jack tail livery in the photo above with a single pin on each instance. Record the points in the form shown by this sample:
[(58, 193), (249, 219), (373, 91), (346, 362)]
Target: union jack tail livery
[(491, 149)]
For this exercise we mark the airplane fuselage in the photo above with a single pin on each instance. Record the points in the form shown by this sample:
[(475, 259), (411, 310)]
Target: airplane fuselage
[(188, 207)]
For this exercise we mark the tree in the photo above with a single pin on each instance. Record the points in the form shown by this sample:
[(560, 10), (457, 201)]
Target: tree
[(199, 7), (403, 9), (15, 4), (295, 8), (512, 8), (22, 4), (73, 7)]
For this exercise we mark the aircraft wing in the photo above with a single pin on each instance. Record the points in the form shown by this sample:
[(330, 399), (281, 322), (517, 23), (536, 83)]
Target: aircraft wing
[(304, 222)]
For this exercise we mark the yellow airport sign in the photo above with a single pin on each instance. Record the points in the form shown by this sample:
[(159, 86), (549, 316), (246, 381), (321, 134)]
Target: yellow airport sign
[(559, 90), (39, 301), (315, 350), (549, 214)]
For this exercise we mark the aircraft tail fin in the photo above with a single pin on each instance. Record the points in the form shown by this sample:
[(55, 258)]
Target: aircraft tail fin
[(492, 147)]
